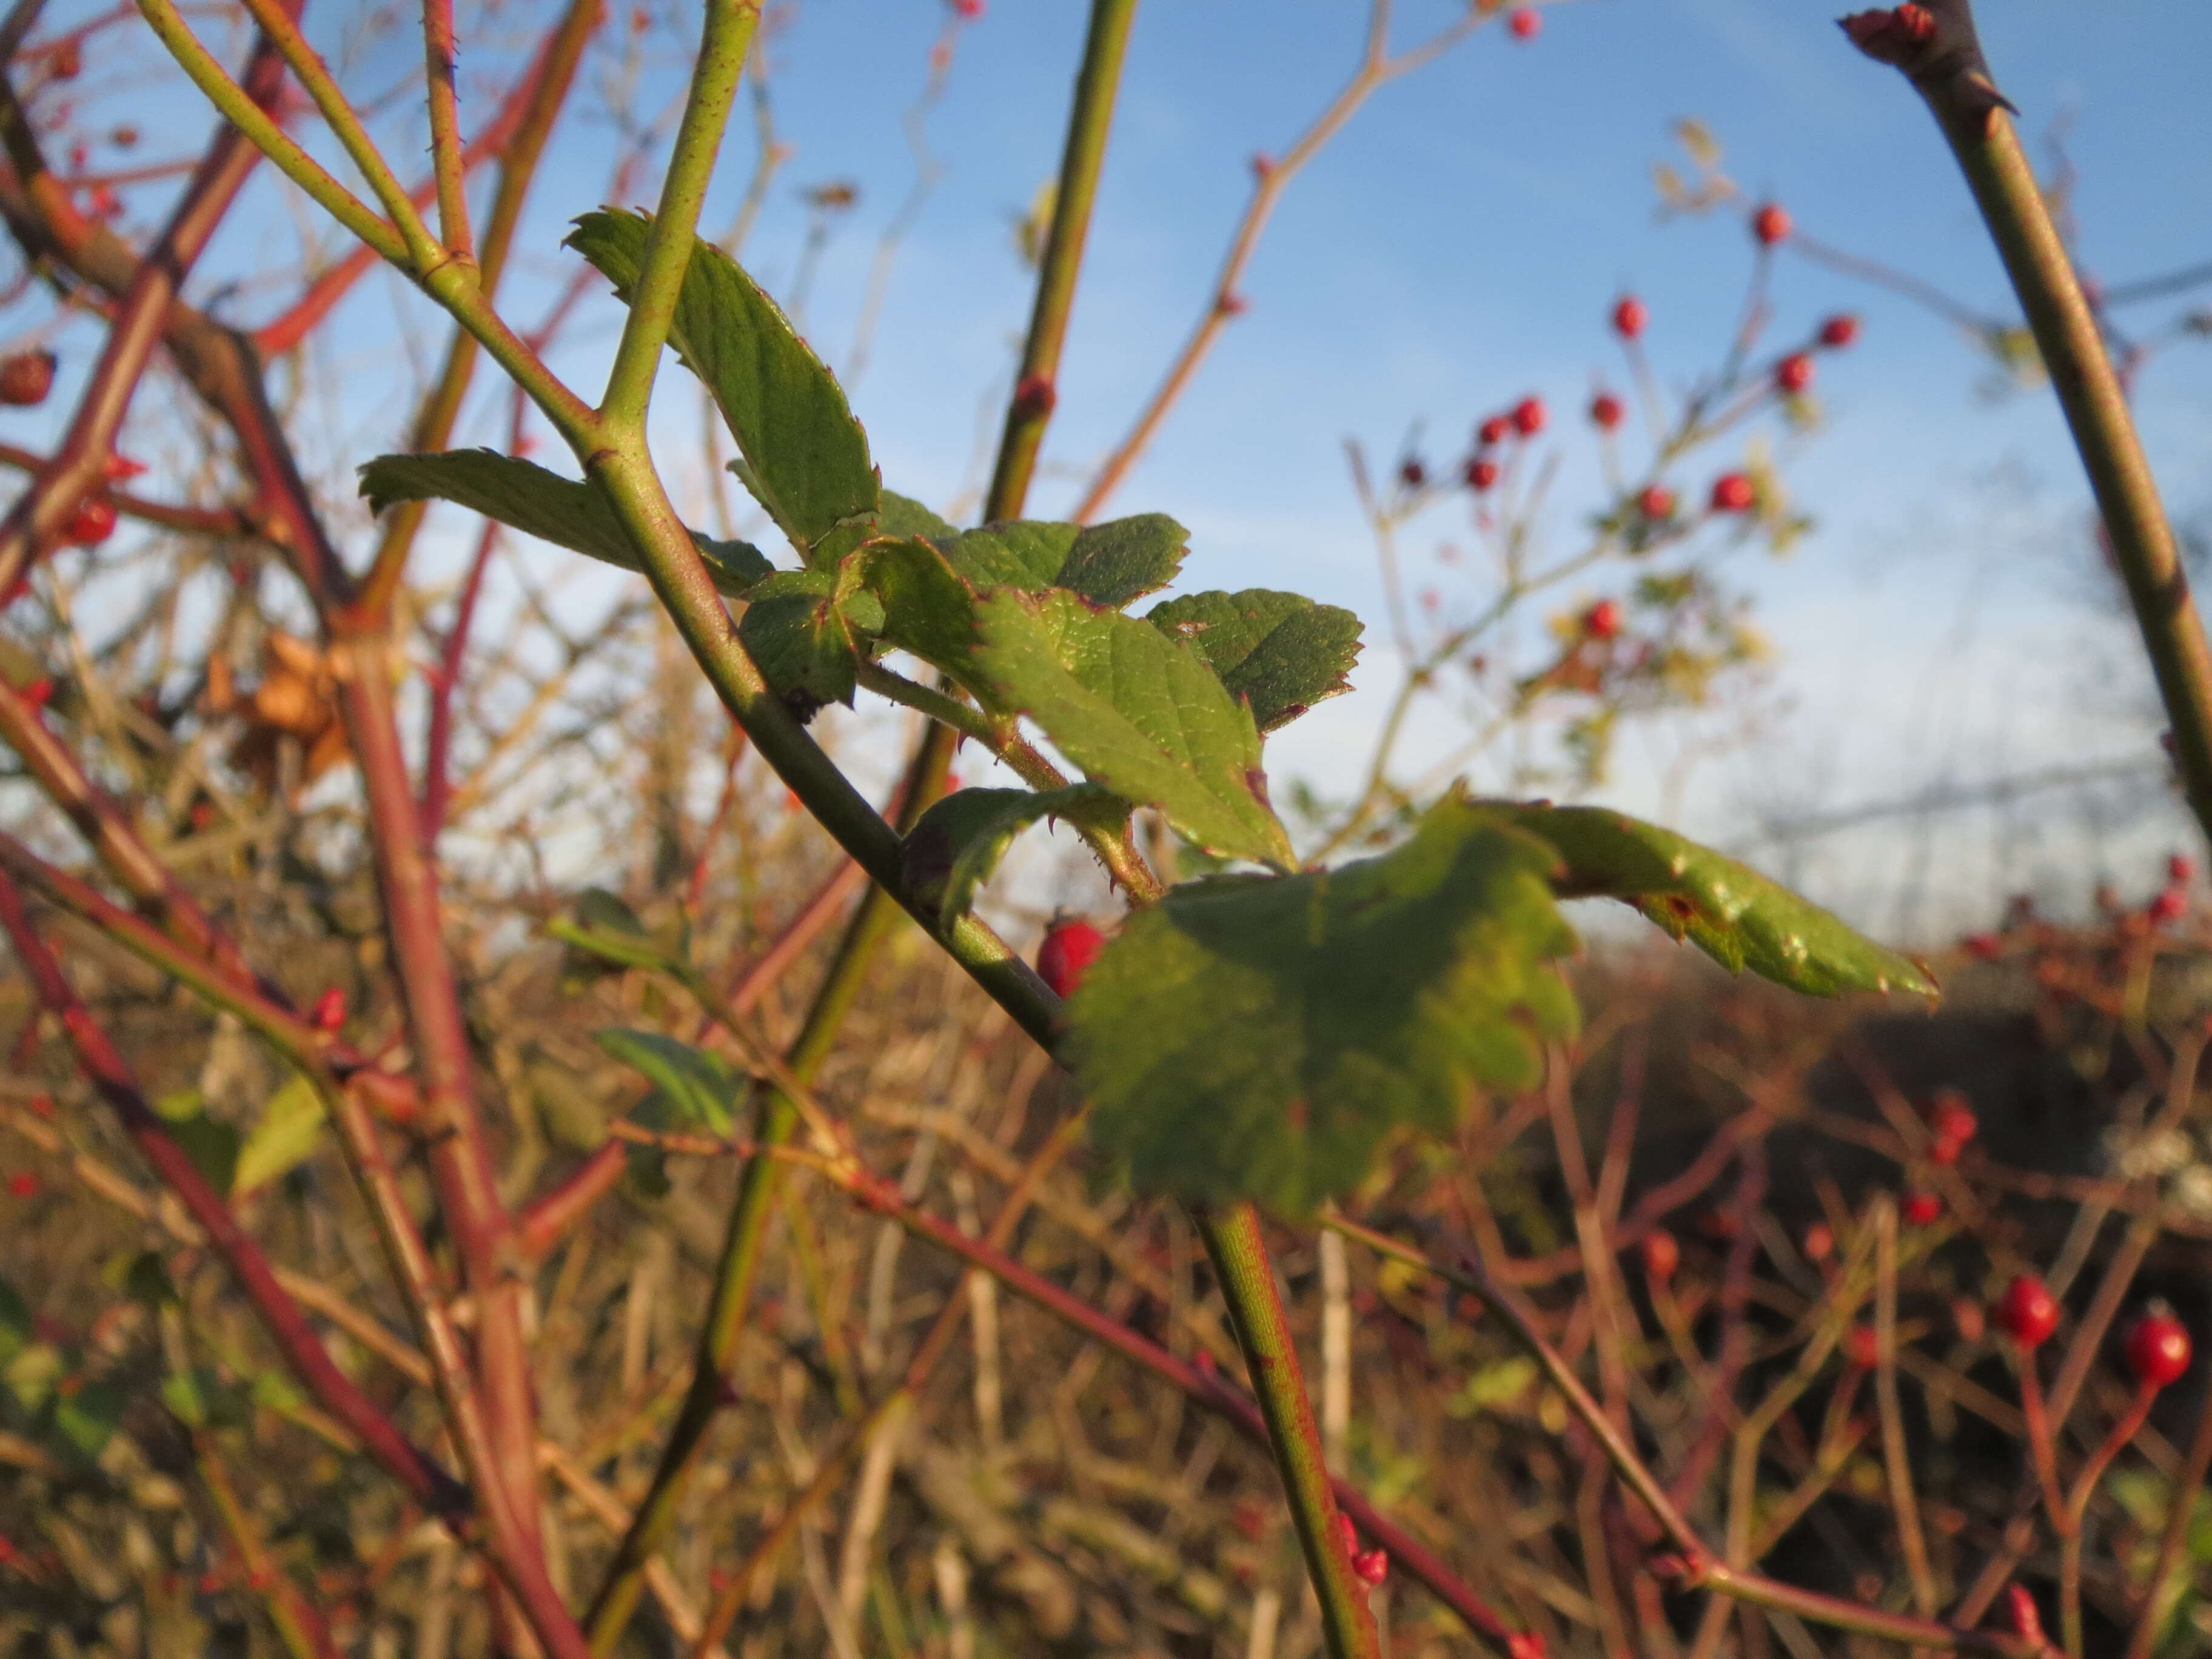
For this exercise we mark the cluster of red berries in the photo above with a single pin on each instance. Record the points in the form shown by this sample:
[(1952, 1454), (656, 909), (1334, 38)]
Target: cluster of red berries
[(1370, 1567), (1951, 1125), (1069, 949), (1524, 420)]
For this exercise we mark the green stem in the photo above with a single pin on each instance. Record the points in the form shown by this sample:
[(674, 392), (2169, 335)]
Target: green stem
[(1098, 83), (231, 100), (722, 47), (735, 1271), (1973, 118), (1255, 1313)]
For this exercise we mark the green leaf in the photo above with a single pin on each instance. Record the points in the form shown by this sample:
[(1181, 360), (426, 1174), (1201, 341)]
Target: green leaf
[(958, 841), (526, 498), (87, 1419), (212, 1146), (699, 1086), (806, 458), (1256, 1037), (902, 515), (1729, 911), (808, 629), (1281, 653), (1139, 712), (1109, 564), (604, 929), (284, 1137), (928, 607)]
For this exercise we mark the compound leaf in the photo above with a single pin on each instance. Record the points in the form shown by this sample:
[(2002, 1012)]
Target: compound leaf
[(1139, 712), (1729, 911), (805, 457), (959, 842), (1256, 1037), (699, 1086), (1281, 653), (524, 496)]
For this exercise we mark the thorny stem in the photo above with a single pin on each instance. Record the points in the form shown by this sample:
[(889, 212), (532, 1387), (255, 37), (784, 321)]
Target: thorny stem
[(1951, 76), (438, 54), (1255, 1313), (433, 429), (1096, 83), (714, 77)]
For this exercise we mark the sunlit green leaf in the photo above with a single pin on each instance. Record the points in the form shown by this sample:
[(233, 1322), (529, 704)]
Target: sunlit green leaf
[(1139, 711), (526, 498), (805, 457), (958, 841), (1109, 564), (1279, 652), (1729, 910), (1258, 1038)]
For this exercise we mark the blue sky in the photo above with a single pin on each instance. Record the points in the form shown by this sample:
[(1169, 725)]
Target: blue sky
[(1458, 245)]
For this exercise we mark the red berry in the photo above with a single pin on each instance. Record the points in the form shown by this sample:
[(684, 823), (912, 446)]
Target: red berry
[(1794, 373), (329, 1014), (1370, 1567), (1839, 331), (1820, 1242), (1481, 473), (969, 8), (1411, 473), (1529, 417), (93, 522), (1862, 1348), (2027, 1312), (1922, 1209), (23, 1184), (1524, 23), (1494, 431), (1629, 317), (1602, 620), (2158, 1349), (40, 692), (1733, 493), (1656, 503), (1771, 224), (1068, 951), (1952, 1118), (1987, 946), (26, 377), (1661, 1254), (2180, 869), (2171, 905), (1605, 411), (42, 1106)]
